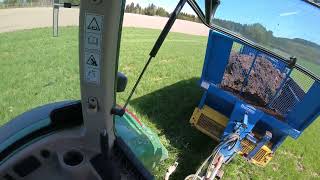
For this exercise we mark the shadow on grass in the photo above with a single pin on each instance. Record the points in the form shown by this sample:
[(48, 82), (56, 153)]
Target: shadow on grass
[(170, 108)]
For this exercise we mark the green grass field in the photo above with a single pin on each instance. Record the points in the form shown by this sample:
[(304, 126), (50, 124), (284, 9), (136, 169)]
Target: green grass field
[(36, 69)]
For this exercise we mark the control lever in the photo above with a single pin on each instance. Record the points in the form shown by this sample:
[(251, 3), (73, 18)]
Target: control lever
[(103, 163)]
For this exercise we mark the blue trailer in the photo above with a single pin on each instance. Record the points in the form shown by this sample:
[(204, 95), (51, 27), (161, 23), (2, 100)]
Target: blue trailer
[(230, 109)]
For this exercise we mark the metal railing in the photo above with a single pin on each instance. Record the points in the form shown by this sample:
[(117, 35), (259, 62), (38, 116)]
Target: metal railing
[(265, 81)]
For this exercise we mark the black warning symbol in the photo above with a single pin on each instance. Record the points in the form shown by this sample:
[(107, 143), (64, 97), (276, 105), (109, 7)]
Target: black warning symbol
[(92, 61), (94, 25)]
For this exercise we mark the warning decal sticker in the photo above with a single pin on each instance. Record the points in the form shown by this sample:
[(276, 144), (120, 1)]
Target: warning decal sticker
[(93, 76), (94, 25), (92, 61), (92, 48), (92, 67), (93, 41)]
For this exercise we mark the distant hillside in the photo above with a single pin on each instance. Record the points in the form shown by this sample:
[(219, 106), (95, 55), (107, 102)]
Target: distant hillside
[(303, 49), (302, 41)]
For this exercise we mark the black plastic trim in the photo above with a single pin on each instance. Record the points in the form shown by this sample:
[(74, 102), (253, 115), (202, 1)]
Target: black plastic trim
[(62, 118)]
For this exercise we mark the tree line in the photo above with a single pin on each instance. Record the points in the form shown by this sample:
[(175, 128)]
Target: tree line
[(32, 3), (153, 10)]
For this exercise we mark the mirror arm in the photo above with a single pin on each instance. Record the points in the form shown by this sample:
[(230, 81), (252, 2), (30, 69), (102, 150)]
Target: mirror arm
[(198, 12), (211, 7)]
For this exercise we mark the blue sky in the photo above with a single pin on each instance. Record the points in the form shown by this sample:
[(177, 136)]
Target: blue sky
[(286, 18)]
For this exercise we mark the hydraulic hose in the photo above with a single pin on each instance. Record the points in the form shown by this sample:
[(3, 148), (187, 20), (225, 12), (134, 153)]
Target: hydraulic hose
[(228, 141)]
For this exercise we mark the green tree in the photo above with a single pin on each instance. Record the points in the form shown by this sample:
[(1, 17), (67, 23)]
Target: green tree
[(137, 9), (150, 10), (11, 2), (129, 8), (162, 12)]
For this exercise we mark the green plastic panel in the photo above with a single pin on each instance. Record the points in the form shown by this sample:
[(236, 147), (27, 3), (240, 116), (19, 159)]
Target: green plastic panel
[(144, 143)]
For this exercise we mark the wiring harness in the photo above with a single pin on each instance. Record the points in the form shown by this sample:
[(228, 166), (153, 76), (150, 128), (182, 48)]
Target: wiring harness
[(210, 168)]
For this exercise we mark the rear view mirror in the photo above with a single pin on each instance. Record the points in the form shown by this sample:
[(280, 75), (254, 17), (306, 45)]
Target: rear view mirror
[(205, 9), (121, 82)]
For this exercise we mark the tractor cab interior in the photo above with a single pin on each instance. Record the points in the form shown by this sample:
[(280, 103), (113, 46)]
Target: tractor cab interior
[(256, 94)]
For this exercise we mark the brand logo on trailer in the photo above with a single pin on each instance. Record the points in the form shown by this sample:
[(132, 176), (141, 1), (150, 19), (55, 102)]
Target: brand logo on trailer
[(248, 108)]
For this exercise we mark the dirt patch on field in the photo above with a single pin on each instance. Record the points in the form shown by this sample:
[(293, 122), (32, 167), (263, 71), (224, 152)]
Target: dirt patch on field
[(28, 18)]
